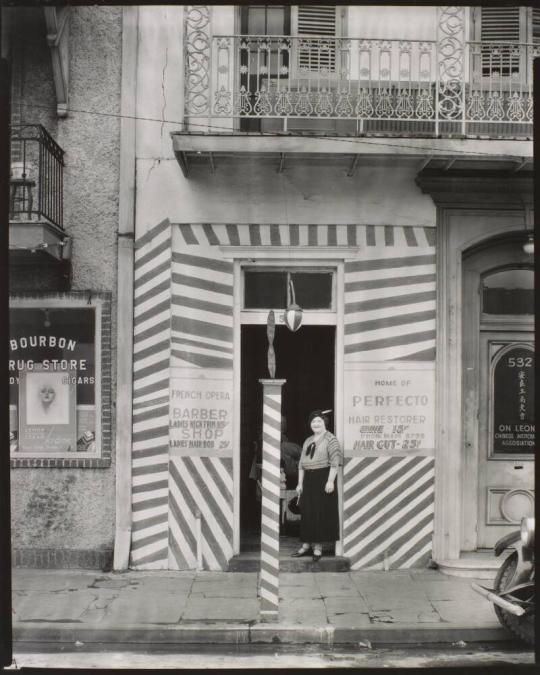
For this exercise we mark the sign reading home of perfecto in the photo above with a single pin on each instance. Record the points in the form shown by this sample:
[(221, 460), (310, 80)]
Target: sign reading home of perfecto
[(200, 415), (389, 410), (512, 425)]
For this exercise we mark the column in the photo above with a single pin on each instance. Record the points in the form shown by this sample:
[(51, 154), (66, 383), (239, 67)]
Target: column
[(269, 611)]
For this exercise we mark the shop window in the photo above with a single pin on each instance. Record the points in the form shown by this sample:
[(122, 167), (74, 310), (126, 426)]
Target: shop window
[(269, 289), (508, 291), (59, 380)]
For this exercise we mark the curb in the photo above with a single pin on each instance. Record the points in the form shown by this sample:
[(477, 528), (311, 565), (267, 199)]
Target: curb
[(257, 633)]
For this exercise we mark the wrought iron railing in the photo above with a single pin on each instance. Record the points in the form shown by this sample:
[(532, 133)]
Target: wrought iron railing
[(36, 181), (362, 85)]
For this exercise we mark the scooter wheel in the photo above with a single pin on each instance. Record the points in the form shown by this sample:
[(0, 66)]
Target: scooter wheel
[(521, 626)]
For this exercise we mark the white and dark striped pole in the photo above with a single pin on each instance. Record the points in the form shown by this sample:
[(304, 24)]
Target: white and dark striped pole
[(270, 499)]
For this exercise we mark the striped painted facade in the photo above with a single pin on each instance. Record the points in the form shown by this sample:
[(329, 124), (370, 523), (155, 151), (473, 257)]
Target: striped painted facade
[(390, 307), (201, 338), (388, 506), (184, 319), (200, 484), (151, 367), (379, 236), (269, 582)]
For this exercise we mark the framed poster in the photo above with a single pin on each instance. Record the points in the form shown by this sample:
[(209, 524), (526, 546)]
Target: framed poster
[(47, 410)]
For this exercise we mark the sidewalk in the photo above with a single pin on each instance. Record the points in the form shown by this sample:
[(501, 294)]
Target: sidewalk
[(396, 607)]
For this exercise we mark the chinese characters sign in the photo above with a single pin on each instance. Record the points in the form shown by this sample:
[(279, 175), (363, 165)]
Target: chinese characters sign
[(200, 417), (512, 385), (389, 410)]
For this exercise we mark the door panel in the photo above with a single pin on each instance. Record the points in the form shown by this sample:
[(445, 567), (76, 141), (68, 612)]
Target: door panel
[(505, 433), (497, 324)]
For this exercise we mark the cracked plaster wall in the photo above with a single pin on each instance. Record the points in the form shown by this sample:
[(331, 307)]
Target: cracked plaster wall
[(246, 190), (252, 191), (74, 508)]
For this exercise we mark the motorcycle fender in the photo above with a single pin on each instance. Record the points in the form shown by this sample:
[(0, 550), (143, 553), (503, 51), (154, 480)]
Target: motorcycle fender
[(506, 541)]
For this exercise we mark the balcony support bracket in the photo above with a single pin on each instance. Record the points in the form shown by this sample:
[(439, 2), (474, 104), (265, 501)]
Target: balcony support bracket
[(182, 160), (57, 20), (281, 163)]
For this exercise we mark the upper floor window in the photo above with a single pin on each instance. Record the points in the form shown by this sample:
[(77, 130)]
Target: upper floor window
[(500, 30)]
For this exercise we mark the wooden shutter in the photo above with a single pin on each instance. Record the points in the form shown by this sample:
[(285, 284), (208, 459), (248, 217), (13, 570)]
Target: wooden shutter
[(535, 28), (319, 20), (500, 25)]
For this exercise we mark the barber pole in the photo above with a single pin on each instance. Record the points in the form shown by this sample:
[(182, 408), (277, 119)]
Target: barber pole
[(270, 499)]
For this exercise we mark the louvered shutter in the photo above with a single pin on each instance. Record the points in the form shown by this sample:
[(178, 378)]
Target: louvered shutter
[(500, 25), (319, 20), (535, 26)]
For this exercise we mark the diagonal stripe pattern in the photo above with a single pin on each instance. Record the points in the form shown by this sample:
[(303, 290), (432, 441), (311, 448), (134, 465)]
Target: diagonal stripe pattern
[(388, 511), (204, 484), (151, 355), (269, 579), (254, 234), (390, 307), (202, 315)]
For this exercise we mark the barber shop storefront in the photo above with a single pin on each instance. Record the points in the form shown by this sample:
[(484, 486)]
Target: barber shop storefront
[(355, 311)]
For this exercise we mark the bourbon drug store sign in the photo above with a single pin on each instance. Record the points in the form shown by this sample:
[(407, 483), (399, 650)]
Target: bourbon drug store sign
[(389, 409), (52, 380), (200, 413)]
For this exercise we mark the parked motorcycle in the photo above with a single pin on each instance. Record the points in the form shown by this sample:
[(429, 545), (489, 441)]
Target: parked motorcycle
[(513, 594)]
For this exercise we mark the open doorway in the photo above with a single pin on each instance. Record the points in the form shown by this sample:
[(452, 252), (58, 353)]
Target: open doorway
[(304, 359)]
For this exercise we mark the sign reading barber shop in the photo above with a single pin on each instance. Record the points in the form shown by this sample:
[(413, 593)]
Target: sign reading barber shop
[(200, 413), (389, 409)]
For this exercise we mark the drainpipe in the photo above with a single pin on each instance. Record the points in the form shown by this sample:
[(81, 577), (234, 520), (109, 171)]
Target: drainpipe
[(124, 305)]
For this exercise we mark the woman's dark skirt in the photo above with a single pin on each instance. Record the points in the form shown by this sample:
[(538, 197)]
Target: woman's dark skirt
[(319, 509)]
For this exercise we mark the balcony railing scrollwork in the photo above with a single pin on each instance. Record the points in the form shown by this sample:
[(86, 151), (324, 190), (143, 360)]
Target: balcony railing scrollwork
[(367, 85), (36, 181)]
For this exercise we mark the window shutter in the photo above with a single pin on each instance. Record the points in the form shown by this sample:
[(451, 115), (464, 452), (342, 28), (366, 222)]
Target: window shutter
[(500, 24), (319, 20), (536, 26)]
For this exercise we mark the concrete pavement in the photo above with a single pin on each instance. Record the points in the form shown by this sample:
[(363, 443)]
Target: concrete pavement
[(395, 607)]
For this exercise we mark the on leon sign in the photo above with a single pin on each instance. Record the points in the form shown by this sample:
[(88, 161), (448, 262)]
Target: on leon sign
[(512, 400)]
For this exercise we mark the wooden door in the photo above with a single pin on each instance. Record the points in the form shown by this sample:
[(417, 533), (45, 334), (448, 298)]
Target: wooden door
[(497, 392)]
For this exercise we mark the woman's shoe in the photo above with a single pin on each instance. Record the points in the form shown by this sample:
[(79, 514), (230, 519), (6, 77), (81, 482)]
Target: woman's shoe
[(317, 555), (301, 552)]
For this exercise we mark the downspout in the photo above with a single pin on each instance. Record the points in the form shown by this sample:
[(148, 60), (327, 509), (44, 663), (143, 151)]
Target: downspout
[(124, 308)]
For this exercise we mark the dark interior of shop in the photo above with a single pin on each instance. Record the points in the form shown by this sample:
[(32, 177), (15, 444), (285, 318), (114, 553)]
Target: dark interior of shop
[(305, 359)]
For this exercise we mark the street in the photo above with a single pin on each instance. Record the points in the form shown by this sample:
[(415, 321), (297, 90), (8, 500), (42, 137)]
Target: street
[(49, 655)]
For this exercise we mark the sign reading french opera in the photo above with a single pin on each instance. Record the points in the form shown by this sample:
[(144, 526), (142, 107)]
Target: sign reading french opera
[(200, 413)]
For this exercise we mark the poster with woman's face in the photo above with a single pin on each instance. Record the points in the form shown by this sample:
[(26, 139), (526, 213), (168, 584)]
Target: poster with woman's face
[(47, 410), (47, 398)]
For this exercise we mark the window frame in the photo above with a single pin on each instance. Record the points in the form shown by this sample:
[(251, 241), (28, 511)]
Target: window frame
[(309, 316), (525, 36), (101, 302)]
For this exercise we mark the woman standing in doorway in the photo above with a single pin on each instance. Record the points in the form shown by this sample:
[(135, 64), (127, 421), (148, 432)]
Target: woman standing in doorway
[(317, 489)]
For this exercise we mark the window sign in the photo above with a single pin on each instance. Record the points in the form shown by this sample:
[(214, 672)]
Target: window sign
[(47, 409), (59, 401), (512, 400)]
